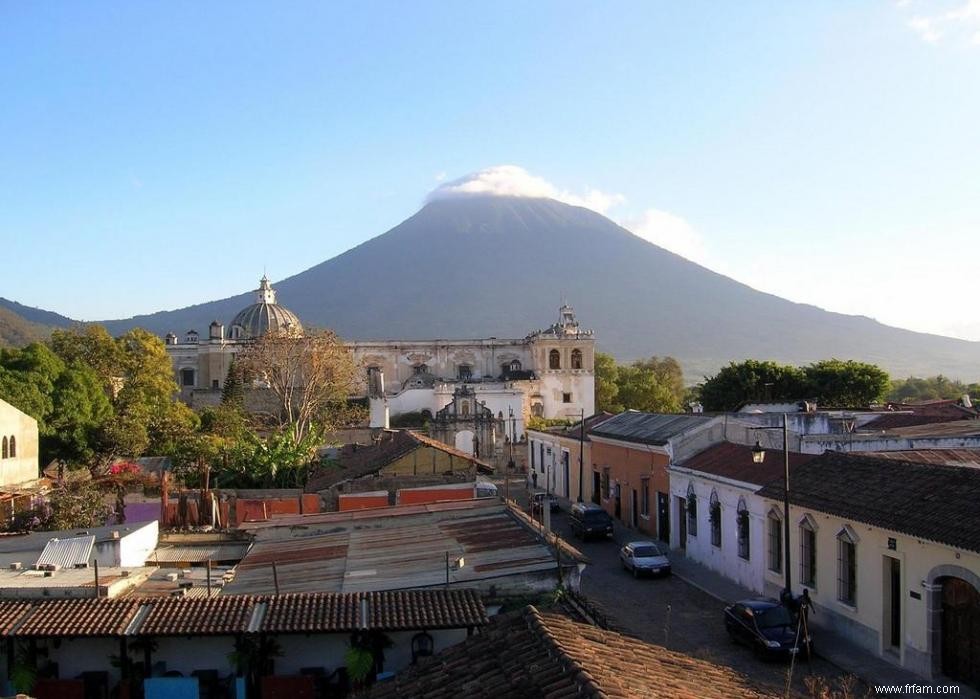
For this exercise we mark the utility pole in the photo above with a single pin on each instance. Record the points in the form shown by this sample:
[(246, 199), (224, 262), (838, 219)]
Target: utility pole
[(581, 456)]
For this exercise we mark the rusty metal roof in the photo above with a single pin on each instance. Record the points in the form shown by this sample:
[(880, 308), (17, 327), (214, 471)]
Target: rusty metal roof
[(201, 553), (392, 548)]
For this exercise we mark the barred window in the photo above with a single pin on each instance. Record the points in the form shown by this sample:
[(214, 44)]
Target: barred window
[(605, 483), (645, 498), (742, 520), (576, 359), (808, 553), (775, 525), (692, 511), (554, 359), (714, 514), (846, 568)]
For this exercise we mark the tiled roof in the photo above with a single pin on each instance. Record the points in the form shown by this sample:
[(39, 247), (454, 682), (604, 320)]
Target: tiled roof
[(950, 457), (530, 654), (237, 614), (735, 461), (77, 617), (357, 461), (927, 501), (648, 428)]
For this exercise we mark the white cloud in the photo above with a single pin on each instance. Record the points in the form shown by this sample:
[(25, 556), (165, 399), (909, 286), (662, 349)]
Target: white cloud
[(515, 181), (669, 231), (959, 19)]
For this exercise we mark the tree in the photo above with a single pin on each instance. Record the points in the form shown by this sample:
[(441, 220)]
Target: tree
[(752, 380), (310, 376), (77, 503), (606, 388), (81, 410), (93, 346), (915, 389), (851, 384), (652, 385)]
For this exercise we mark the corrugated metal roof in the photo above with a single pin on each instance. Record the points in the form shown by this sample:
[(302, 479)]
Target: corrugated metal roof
[(389, 549), (648, 428), (198, 553), (67, 553)]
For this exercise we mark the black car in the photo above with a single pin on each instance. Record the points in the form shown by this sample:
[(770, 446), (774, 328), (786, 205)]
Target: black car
[(538, 500), (589, 520), (768, 627)]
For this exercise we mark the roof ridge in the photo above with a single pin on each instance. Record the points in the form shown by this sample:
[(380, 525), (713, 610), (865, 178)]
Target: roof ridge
[(538, 625)]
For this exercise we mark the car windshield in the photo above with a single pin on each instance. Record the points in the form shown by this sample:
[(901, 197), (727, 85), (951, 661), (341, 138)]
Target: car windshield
[(773, 617), (646, 551), (595, 514)]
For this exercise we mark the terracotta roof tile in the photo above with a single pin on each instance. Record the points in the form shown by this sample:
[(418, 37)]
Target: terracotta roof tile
[(530, 654), (924, 500), (77, 617), (198, 616), (735, 461)]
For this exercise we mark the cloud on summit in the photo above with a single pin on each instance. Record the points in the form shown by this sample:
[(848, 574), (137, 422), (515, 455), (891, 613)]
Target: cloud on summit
[(669, 231), (515, 181)]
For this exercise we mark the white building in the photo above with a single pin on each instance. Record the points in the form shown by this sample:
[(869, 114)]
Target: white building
[(548, 373), (724, 479), (889, 551), (18, 447)]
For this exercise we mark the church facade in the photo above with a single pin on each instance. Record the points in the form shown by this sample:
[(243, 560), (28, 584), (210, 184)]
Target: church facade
[(548, 373)]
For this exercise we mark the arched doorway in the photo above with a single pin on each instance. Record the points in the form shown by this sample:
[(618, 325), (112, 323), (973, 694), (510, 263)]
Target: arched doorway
[(960, 634)]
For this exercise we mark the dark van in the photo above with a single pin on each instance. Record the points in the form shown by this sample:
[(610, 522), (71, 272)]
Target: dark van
[(589, 520)]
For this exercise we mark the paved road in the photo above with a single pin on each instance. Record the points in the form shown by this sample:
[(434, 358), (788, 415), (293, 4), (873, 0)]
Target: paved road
[(670, 612)]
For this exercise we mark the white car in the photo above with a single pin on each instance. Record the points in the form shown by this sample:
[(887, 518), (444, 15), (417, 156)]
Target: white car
[(641, 557)]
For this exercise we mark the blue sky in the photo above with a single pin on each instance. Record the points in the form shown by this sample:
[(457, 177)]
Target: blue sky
[(155, 155)]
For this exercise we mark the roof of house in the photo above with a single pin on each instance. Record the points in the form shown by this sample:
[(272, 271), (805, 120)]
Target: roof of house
[(240, 614), (950, 457), (533, 654), (924, 500), (734, 461), (26, 548), (358, 460), (949, 428), (648, 428), (391, 548), (575, 430), (200, 553), (67, 553)]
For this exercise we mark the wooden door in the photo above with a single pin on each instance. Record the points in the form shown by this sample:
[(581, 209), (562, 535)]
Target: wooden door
[(961, 631)]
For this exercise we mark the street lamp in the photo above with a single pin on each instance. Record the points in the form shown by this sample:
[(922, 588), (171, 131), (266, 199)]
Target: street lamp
[(758, 456)]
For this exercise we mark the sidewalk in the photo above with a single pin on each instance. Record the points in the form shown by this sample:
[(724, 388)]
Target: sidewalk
[(828, 645)]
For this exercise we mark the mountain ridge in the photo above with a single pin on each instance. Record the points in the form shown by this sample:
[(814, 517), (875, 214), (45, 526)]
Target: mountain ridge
[(490, 265)]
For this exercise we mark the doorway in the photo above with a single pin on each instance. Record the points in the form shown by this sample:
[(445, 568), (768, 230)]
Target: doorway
[(619, 503), (892, 604), (663, 517), (961, 631), (596, 486)]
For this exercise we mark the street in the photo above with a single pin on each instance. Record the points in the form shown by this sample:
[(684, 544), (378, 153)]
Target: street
[(670, 612)]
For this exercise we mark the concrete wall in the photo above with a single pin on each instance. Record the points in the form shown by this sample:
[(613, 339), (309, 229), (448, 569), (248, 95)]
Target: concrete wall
[(23, 467), (551, 471), (362, 501)]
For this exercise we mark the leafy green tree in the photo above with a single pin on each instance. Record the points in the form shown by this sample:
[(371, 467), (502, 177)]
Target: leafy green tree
[(840, 383), (606, 387), (915, 389), (81, 410), (752, 380), (93, 346), (652, 385)]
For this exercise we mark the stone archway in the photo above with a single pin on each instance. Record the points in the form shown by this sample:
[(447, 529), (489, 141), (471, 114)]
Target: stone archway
[(953, 623)]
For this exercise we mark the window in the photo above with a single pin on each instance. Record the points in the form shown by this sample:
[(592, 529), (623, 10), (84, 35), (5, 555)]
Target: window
[(566, 397), (186, 377), (692, 511), (13, 446), (420, 369), (465, 408), (775, 526), (808, 553), (605, 483), (532, 455), (554, 359), (576, 359), (714, 514), (215, 384), (846, 567), (3, 453), (742, 522), (645, 497), (464, 372), (515, 365)]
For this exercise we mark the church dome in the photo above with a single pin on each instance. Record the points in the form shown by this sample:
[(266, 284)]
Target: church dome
[(263, 316)]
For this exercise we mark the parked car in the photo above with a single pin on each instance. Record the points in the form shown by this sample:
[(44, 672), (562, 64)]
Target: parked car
[(589, 520), (768, 627), (644, 558), (538, 500)]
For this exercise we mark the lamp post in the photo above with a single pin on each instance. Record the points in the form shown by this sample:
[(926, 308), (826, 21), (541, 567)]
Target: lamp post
[(758, 456), (513, 436), (581, 455)]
